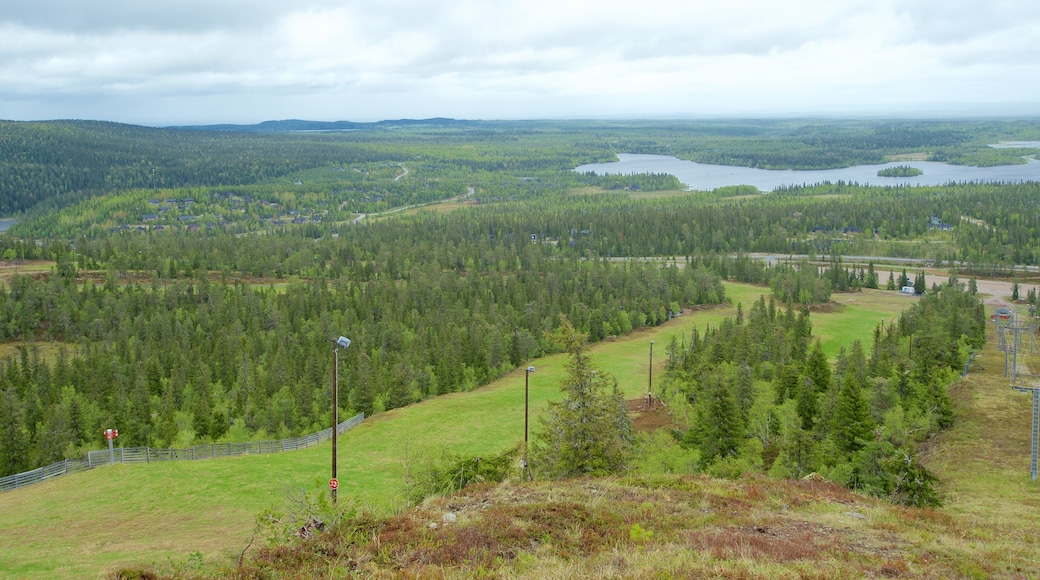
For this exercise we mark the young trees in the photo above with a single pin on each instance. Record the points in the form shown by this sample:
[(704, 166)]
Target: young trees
[(588, 432)]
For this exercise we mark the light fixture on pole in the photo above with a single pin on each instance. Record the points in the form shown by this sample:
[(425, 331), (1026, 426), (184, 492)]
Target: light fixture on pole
[(527, 399), (341, 342)]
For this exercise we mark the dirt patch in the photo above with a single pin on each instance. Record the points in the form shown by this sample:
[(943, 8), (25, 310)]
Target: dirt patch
[(647, 418)]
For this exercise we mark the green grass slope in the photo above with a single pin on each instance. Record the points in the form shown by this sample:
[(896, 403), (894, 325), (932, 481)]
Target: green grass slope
[(101, 520)]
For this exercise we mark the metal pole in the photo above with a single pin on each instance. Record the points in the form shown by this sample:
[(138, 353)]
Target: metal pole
[(1034, 437), (335, 411), (527, 402), (650, 378)]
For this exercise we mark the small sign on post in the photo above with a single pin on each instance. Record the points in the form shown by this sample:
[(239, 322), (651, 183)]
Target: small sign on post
[(111, 434), (333, 484)]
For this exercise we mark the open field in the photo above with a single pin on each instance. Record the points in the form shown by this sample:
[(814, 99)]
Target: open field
[(75, 525), (9, 268)]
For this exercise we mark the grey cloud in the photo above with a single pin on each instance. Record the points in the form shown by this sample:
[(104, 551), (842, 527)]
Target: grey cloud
[(94, 17)]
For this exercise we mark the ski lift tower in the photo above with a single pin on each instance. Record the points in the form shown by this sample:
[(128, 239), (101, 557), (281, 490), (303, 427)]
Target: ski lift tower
[(1020, 368)]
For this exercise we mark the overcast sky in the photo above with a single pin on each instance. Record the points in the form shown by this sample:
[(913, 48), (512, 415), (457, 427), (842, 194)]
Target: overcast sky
[(163, 62)]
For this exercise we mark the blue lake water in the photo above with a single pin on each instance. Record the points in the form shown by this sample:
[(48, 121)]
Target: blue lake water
[(702, 177), (6, 223)]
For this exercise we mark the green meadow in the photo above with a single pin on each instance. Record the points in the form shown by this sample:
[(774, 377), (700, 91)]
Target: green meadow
[(160, 514)]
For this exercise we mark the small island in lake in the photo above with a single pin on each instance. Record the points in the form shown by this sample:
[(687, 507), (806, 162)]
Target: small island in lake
[(899, 171)]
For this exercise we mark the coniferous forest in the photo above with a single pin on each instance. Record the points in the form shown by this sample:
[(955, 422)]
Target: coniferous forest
[(194, 277)]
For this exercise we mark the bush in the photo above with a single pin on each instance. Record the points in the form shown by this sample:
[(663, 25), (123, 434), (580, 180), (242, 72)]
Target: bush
[(450, 473)]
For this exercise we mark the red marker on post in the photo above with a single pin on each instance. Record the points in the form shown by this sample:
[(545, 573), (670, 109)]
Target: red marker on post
[(111, 434)]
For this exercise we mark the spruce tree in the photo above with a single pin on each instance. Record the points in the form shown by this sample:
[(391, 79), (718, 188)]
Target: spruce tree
[(920, 284), (807, 403), (588, 432), (818, 369), (719, 431), (852, 424)]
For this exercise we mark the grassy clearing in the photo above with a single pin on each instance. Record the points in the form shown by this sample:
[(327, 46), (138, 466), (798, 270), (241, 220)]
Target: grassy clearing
[(75, 525), (48, 350), (9, 268), (590, 190)]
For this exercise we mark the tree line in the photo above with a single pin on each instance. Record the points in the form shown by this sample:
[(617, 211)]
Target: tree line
[(762, 395), (186, 360)]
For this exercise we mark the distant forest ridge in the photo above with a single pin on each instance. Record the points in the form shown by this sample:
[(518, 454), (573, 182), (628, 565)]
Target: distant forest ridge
[(293, 125), (50, 165)]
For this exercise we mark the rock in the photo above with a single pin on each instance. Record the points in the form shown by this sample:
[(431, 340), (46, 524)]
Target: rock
[(448, 518)]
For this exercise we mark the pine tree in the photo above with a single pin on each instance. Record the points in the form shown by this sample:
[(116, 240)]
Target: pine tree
[(891, 281)]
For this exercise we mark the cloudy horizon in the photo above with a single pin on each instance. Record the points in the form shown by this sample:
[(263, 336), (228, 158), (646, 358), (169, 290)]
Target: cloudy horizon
[(238, 61)]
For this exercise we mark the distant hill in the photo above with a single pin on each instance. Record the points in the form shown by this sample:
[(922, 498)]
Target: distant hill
[(51, 164), (298, 125)]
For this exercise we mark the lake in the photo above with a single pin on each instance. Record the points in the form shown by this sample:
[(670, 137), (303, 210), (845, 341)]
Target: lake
[(702, 177)]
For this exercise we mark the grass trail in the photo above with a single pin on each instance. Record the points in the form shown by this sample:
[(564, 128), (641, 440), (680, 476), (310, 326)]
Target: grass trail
[(74, 526), (983, 461)]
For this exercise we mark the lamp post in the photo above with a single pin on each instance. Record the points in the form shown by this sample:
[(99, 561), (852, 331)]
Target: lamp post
[(341, 342), (527, 400), (650, 378)]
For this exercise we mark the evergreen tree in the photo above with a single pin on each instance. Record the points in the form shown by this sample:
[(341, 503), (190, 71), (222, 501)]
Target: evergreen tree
[(14, 442), (719, 431), (853, 425), (588, 432), (920, 284), (807, 403), (871, 278), (914, 483), (818, 369), (904, 280), (363, 394), (798, 455)]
